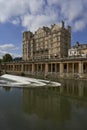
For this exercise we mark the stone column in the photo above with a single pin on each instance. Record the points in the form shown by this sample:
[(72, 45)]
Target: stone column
[(41, 67), (46, 69), (61, 68), (13, 68), (72, 67), (22, 68), (32, 68), (80, 67)]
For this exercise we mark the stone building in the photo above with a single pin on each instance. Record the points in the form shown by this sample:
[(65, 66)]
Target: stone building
[(47, 43), (78, 50), (45, 54), (72, 52)]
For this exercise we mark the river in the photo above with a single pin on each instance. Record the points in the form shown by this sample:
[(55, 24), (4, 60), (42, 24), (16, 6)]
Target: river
[(51, 108)]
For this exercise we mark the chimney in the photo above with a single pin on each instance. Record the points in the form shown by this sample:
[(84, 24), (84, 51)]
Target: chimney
[(62, 24), (69, 28)]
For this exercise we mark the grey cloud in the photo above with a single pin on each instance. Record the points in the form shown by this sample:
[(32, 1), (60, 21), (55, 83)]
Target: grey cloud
[(34, 13)]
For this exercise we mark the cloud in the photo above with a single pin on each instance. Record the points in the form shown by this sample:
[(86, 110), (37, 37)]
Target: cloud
[(15, 55), (79, 25), (2, 53), (33, 14), (8, 48), (15, 21), (33, 22)]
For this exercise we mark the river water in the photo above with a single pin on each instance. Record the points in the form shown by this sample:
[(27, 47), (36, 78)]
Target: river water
[(51, 108)]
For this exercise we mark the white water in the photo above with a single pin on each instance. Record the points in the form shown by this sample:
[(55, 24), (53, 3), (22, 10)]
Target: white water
[(19, 81)]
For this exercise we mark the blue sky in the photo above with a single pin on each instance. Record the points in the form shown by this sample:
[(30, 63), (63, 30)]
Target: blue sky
[(17, 16)]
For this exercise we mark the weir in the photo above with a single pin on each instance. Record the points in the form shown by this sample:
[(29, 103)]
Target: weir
[(20, 81)]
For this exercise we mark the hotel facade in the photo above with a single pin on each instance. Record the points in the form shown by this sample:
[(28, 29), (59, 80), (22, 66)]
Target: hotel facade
[(47, 43), (45, 53)]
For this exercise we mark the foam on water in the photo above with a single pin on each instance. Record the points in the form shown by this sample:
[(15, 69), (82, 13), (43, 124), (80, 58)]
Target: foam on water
[(16, 81)]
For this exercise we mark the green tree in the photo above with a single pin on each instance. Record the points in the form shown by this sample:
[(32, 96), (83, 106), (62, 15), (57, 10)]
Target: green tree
[(7, 58), (0, 61)]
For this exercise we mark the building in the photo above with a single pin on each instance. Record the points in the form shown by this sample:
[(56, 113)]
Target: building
[(78, 50), (47, 43), (72, 52), (45, 54), (63, 67)]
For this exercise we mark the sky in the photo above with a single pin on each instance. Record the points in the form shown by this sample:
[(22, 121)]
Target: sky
[(17, 16)]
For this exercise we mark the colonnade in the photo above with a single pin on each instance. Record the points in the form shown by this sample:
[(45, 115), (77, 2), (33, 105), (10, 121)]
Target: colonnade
[(48, 68)]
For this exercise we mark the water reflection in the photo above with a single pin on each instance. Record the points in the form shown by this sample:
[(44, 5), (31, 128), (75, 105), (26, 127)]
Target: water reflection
[(7, 88), (55, 103), (74, 88), (45, 105), (51, 108)]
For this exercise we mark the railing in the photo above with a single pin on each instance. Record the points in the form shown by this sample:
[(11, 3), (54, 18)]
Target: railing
[(48, 60)]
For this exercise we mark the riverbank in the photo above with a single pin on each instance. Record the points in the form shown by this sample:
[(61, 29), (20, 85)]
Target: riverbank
[(53, 76)]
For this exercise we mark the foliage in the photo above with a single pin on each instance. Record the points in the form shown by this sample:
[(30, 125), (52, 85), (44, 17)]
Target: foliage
[(7, 57), (0, 60)]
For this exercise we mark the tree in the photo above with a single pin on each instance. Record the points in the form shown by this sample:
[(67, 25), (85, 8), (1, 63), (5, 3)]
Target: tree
[(7, 58), (0, 61)]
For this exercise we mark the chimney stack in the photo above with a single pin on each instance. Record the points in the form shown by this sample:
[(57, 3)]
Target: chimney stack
[(62, 24)]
